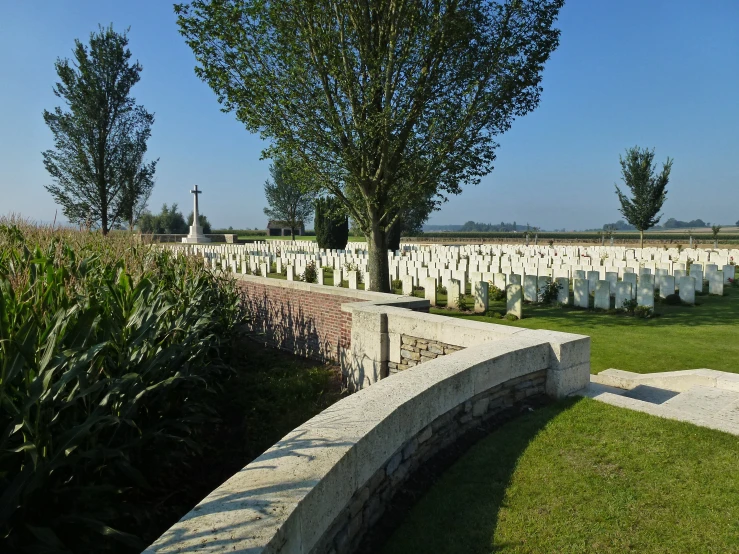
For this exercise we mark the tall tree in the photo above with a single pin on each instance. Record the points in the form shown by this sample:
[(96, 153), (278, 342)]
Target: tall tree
[(100, 138), (290, 194), (331, 224), (389, 103), (648, 189), (137, 178)]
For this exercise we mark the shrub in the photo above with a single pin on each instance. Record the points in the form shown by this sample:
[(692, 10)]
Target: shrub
[(629, 306), (331, 224), (549, 292), (440, 289), (672, 299), (494, 293), (643, 312), (310, 275), (511, 317), (397, 284)]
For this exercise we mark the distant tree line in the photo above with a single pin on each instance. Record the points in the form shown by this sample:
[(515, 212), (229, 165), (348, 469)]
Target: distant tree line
[(492, 227), (170, 221), (671, 223)]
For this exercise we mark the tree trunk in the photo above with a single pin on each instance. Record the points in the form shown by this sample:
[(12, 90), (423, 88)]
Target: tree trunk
[(641, 235), (104, 221), (292, 233), (379, 268)]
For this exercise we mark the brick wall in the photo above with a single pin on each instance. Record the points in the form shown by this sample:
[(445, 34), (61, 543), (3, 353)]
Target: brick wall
[(306, 323)]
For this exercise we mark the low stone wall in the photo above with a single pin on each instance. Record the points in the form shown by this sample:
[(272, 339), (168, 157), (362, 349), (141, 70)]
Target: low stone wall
[(320, 488), (369, 503), (415, 350), (228, 238)]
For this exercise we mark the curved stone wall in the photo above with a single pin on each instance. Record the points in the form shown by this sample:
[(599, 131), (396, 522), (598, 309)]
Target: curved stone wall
[(323, 485)]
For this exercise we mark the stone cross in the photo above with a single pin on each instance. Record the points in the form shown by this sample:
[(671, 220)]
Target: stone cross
[(195, 216)]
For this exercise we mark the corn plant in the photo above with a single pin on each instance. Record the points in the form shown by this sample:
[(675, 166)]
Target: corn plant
[(109, 352)]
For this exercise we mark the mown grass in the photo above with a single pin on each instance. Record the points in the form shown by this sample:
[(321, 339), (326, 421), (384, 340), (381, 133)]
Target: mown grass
[(583, 476), (680, 337)]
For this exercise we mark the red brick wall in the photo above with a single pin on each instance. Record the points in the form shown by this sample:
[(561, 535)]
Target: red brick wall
[(309, 324)]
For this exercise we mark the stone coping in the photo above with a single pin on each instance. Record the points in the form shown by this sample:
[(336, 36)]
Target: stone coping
[(289, 498), (380, 298), (678, 381)]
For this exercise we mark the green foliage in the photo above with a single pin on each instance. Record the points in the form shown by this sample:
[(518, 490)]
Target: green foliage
[(290, 194), (397, 284), (97, 164), (672, 300), (549, 292), (241, 232), (495, 293), (629, 306), (643, 312), (202, 222), (387, 104), (169, 221), (511, 317), (108, 353), (331, 224), (310, 275), (715, 230), (648, 190)]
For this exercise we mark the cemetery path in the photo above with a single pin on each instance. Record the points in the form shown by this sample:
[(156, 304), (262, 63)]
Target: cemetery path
[(703, 397)]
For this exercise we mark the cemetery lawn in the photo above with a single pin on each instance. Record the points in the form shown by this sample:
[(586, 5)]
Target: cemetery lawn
[(583, 476), (681, 337)]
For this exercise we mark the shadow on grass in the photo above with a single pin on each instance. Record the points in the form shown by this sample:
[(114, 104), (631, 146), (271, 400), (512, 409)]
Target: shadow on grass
[(710, 310), (471, 492)]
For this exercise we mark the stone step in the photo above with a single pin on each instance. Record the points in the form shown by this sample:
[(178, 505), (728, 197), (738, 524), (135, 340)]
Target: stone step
[(679, 381), (704, 406)]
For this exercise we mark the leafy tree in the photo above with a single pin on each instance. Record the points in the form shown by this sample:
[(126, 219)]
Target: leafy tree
[(648, 189), (169, 222), (290, 193), (715, 230), (331, 224), (202, 221), (388, 103), (138, 179), (97, 163), (409, 223)]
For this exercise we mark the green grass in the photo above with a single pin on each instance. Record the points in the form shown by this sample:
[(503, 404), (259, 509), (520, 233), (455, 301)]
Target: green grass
[(681, 337), (582, 476)]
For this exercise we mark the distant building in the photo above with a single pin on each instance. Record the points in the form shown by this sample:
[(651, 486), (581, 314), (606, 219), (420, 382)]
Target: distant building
[(282, 229)]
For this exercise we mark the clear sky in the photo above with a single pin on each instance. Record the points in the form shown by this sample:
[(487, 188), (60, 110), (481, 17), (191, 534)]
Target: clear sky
[(656, 73)]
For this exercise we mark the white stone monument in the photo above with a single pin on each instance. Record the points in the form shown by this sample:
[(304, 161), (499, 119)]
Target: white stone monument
[(196, 235)]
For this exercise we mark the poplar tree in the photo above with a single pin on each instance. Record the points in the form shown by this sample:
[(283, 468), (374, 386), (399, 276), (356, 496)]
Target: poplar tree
[(97, 163), (648, 188), (388, 103)]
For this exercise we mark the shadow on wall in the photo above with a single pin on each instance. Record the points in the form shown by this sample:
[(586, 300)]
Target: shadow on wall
[(284, 325), (485, 473), (240, 509)]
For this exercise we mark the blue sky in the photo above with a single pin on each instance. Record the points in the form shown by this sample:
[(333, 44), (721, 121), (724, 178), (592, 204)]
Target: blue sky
[(662, 74)]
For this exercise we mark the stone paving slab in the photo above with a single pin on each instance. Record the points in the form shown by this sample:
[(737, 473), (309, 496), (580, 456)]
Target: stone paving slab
[(714, 403)]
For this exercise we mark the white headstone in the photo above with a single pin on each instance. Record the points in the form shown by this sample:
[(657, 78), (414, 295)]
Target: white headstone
[(581, 293), (602, 299), (514, 300), (480, 291)]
